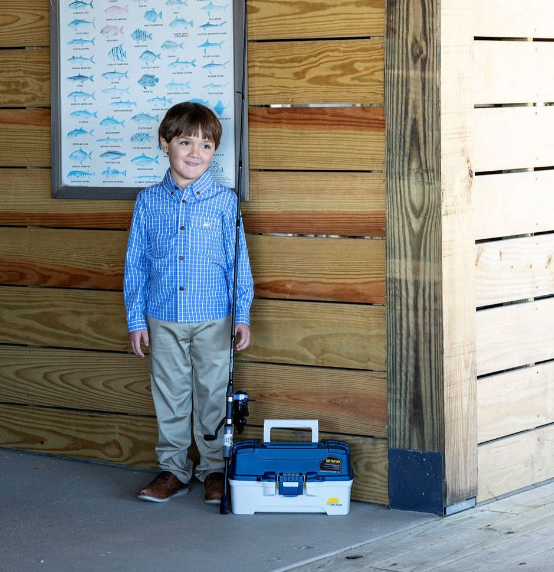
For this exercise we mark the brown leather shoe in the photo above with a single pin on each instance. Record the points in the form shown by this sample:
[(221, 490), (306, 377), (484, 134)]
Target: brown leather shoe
[(214, 488), (165, 486)]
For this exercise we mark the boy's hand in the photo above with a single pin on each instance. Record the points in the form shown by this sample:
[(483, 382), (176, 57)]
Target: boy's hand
[(244, 332), (135, 339)]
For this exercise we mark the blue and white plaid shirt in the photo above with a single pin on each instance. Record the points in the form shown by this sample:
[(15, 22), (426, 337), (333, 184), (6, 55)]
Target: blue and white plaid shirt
[(180, 255)]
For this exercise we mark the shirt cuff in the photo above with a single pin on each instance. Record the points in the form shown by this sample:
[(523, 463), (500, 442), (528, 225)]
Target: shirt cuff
[(136, 325)]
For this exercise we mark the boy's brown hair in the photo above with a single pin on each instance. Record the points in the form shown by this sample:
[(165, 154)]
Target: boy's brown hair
[(189, 119)]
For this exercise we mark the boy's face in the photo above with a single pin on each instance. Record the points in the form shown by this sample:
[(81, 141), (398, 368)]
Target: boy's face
[(189, 157)]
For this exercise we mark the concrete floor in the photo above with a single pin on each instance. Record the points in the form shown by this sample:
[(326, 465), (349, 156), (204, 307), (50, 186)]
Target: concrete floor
[(62, 515)]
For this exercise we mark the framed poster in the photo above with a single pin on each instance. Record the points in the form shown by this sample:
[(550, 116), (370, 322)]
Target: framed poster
[(117, 66)]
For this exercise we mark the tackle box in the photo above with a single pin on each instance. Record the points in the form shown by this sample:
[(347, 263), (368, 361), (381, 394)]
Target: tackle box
[(274, 476)]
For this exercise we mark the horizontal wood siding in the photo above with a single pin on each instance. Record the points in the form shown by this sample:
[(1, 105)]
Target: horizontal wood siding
[(515, 249), (68, 384)]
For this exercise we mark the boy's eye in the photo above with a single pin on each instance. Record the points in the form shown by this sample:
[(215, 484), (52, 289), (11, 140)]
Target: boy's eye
[(185, 142)]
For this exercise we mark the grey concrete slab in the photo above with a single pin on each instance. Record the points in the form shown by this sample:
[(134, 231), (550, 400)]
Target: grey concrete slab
[(63, 515)]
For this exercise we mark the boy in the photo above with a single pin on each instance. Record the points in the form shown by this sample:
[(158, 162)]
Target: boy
[(178, 293)]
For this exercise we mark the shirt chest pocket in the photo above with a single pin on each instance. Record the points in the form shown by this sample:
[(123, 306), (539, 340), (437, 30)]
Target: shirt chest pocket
[(204, 236), (160, 241)]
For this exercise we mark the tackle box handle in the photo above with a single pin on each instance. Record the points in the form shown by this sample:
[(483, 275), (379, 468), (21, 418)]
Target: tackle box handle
[(270, 424)]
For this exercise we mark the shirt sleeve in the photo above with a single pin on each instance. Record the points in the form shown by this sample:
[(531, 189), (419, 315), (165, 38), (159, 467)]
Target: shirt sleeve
[(245, 282), (137, 271)]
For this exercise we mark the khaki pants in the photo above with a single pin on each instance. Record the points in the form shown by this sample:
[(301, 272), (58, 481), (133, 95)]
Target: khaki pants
[(189, 366)]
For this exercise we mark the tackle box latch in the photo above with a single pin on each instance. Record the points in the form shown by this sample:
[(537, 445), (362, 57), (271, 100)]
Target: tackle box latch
[(291, 484)]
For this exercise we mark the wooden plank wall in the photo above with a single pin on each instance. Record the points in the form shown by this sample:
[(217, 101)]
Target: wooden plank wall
[(514, 251), (68, 384)]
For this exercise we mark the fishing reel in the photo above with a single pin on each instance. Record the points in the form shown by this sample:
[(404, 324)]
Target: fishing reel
[(239, 414)]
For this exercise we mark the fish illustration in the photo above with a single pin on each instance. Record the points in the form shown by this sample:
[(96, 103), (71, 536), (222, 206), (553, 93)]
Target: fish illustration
[(123, 103), (115, 76), (115, 90), (111, 140), (80, 78), (80, 42), (80, 174), (219, 108), (209, 25), (80, 156), (149, 57), (152, 15), (200, 101), (212, 64), (76, 95), (215, 167), (144, 118), (118, 54), (116, 9), (160, 100), (84, 113), (148, 178), (112, 155), (79, 132), (143, 160), (171, 46), (82, 23), (148, 80), (109, 172), (109, 30), (177, 85), (176, 3), (211, 7), (81, 59), (215, 85), (207, 45), (111, 121), (179, 64), (78, 4), (141, 137), (141, 35), (181, 23)]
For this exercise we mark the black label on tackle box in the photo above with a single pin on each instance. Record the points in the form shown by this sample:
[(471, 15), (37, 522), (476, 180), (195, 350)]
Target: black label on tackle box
[(333, 464)]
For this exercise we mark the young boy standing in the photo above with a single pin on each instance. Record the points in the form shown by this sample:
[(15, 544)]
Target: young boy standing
[(178, 293)]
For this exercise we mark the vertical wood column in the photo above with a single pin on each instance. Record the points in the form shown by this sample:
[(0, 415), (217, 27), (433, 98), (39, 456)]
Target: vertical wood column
[(430, 242)]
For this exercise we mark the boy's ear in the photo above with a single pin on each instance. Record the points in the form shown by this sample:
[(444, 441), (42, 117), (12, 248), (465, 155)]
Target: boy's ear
[(165, 146)]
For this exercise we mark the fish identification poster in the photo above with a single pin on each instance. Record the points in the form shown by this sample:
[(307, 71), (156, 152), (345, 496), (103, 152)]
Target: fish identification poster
[(120, 65)]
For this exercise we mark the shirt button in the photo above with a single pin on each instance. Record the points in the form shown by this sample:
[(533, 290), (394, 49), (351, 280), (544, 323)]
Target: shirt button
[(184, 200), (180, 258), (182, 228), (197, 192), (172, 192), (181, 288)]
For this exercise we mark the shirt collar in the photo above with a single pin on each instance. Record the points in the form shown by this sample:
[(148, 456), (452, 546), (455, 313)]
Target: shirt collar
[(197, 188)]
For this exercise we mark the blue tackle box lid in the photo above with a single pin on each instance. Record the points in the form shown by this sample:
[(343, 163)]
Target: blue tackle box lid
[(254, 460)]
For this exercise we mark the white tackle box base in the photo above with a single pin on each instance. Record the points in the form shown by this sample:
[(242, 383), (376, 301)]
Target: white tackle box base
[(249, 497)]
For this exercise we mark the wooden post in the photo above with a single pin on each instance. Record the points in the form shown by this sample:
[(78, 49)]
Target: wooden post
[(430, 260)]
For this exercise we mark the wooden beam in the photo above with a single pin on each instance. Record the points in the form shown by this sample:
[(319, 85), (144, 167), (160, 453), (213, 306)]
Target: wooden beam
[(25, 80), (332, 71), (430, 304), (294, 19), (24, 24), (25, 138)]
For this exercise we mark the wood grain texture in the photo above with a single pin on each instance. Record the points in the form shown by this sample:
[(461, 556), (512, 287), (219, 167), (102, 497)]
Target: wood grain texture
[(317, 139), (514, 335), (62, 258), (515, 462), (348, 204), (25, 138), (130, 440), (339, 270), (333, 71), (300, 333), (327, 335), (514, 269), (26, 200), (352, 402), (25, 80), (511, 19), (414, 275), (513, 203), (512, 72), (24, 23), (294, 19), (515, 401), (513, 138)]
